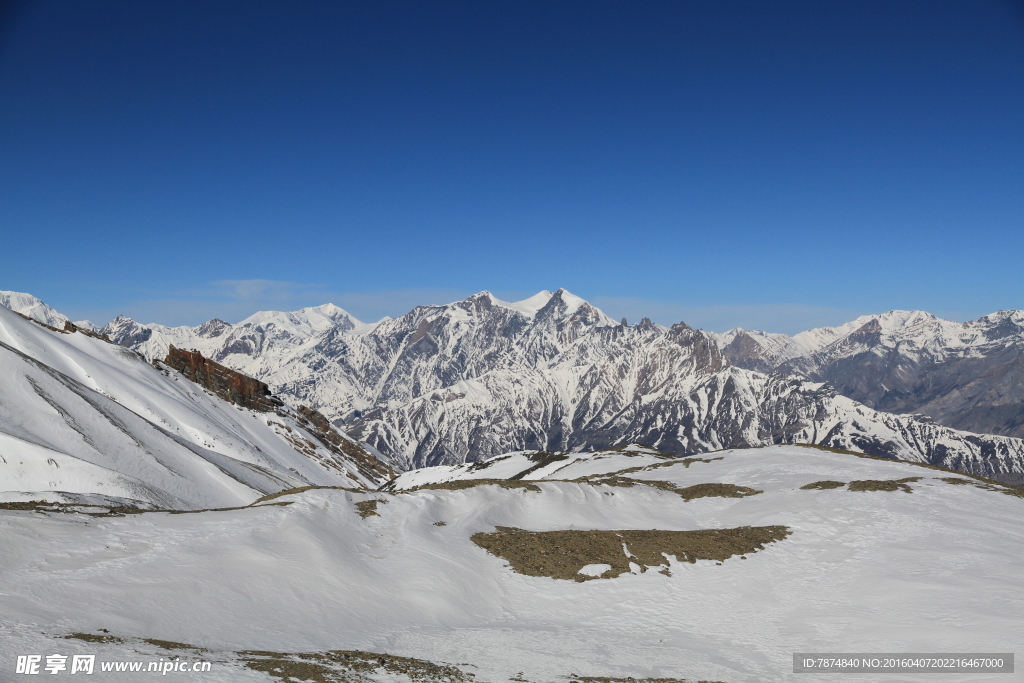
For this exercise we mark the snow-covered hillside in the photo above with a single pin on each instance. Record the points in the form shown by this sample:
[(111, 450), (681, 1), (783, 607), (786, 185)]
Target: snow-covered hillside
[(79, 415), (808, 551)]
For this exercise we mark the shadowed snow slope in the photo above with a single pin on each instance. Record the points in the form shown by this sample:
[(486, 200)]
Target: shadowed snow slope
[(935, 569), (84, 416)]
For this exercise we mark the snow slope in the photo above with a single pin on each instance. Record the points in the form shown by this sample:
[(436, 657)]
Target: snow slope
[(81, 415), (932, 570)]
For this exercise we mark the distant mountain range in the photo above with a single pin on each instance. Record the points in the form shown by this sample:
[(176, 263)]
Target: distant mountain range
[(480, 377), (964, 375)]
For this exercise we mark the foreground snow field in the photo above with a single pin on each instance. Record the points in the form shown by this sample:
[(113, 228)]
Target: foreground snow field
[(930, 566)]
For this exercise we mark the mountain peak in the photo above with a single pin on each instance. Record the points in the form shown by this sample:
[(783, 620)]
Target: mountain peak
[(26, 304), (529, 306)]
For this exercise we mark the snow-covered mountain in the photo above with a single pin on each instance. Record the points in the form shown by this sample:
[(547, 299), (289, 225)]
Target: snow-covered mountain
[(965, 375), (30, 306), (606, 566), (479, 377), (84, 419)]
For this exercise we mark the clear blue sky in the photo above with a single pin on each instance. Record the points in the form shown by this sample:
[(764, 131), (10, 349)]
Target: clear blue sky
[(765, 164)]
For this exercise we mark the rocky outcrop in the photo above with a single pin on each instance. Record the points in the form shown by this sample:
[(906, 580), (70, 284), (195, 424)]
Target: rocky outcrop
[(72, 328), (369, 465), (226, 383)]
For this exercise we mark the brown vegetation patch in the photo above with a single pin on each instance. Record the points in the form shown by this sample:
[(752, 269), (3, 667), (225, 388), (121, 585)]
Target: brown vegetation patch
[(540, 459), (883, 484), (631, 453), (562, 554), (368, 508), (716, 490), (461, 484), (172, 645), (77, 508), (94, 638), (686, 493), (986, 485), (484, 464), (687, 462), (1008, 489), (348, 666), (824, 484)]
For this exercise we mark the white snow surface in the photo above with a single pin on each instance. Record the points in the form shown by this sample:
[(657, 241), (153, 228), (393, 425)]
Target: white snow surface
[(81, 415), (936, 570), (26, 304)]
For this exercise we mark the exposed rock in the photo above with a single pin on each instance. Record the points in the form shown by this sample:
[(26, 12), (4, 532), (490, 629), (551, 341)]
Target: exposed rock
[(226, 383)]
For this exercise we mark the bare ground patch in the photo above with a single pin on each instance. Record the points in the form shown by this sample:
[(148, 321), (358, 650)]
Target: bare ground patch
[(824, 484), (349, 666), (461, 484), (540, 459), (710, 490), (368, 508), (335, 666), (883, 484), (993, 484), (562, 554), (94, 637), (986, 485)]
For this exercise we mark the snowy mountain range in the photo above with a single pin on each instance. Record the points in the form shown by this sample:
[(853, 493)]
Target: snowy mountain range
[(304, 556), (964, 375), (480, 377)]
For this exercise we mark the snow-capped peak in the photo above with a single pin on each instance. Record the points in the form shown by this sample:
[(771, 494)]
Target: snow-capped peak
[(306, 320), (528, 306), (26, 304)]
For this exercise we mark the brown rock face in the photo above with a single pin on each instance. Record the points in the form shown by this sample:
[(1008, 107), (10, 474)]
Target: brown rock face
[(320, 427), (226, 383)]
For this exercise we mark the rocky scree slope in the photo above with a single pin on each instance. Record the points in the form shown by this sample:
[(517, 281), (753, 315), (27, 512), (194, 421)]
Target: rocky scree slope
[(479, 377)]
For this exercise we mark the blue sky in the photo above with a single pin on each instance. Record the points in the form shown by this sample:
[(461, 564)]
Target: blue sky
[(777, 165)]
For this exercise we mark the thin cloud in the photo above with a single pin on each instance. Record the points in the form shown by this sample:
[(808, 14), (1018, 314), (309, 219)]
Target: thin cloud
[(264, 290)]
